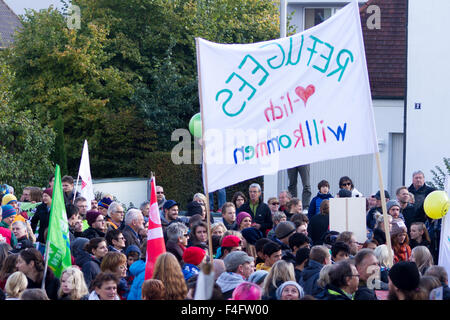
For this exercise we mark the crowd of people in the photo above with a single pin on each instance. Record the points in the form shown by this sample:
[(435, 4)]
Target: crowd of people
[(279, 250)]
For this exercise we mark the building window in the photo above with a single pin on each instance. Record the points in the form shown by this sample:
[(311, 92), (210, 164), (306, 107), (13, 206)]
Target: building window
[(314, 16)]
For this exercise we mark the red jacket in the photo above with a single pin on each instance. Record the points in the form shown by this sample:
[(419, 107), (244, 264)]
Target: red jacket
[(6, 233)]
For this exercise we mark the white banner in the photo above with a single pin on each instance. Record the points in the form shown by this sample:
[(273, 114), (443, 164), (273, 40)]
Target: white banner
[(444, 244), (278, 104)]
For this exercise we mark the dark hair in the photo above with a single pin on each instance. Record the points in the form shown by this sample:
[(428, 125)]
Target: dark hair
[(111, 235), (292, 202), (297, 240), (93, 244), (339, 273), (259, 244), (68, 179), (32, 254), (195, 219), (343, 179), (338, 247), (324, 208), (237, 194), (299, 218), (194, 228), (323, 183), (71, 210), (103, 277), (270, 248), (216, 242)]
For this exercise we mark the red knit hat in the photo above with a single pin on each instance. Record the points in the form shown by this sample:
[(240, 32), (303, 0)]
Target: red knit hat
[(194, 255), (91, 216), (49, 192), (231, 241)]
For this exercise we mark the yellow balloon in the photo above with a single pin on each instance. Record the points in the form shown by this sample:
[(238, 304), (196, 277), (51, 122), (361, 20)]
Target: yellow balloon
[(436, 204)]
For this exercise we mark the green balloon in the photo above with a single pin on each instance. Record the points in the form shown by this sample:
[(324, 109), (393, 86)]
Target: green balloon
[(195, 125)]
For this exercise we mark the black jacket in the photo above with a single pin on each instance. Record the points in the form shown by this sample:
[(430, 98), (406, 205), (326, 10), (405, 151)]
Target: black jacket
[(262, 216), (413, 243), (317, 227), (419, 197), (51, 285), (91, 268), (364, 293), (379, 235), (91, 233), (334, 293), (130, 237), (41, 216)]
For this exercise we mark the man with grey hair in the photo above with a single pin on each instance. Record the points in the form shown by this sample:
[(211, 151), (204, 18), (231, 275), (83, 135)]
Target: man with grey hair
[(239, 266), (134, 226), (177, 238), (260, 211), (115, 216)]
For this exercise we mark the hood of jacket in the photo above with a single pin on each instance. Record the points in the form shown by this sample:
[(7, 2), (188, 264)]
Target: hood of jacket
[(137, 267), (311, 269), (229, 280)]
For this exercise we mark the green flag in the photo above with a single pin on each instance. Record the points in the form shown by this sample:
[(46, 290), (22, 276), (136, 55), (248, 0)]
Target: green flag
[(58, 243)]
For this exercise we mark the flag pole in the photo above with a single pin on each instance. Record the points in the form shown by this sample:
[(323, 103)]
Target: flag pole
[(383, 207), (47, 248), (75, 192), (205, 169)]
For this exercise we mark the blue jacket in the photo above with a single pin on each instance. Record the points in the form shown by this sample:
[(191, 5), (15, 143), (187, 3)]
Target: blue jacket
[(138, 270), (309, 277), (190, 270), (314, 206)]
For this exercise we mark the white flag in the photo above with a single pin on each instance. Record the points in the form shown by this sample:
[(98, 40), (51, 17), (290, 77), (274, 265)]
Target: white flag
[(444, 246), (278, 104), (87, 188)]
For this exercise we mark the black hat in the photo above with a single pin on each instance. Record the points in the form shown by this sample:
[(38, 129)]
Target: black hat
[(405, 275), (344, 193), (378, 195), (251, 235), (192, 208)]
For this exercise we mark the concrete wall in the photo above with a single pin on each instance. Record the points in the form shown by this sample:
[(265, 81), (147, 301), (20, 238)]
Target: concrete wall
[(427, 132)]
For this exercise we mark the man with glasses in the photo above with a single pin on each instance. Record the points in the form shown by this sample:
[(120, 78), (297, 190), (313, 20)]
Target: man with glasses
[(344, 279), (115, 216), (97, 225), (160, 197), (369, 275)]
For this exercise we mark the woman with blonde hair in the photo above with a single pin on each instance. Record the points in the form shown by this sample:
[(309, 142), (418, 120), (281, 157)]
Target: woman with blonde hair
[(382, 254), (280, 272), (15, 285), (422, 257), (218, 229), (168, 270), (73, 286)]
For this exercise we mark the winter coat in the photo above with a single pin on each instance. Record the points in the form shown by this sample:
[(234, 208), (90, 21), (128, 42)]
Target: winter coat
[(364, 293), (314, 206), (174, 248), (42, 216), (379, 235), (335, 293), (227, 282), (317, 227), (131, 237), (309, 277), (91, 268), (262, 216), (7, 234), (91, 233), (137, 269), (419, 197), (232, 226), (272, 290), (413, 243)]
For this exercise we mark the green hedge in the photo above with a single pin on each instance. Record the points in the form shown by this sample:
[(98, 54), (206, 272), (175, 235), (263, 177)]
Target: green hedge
[(182, 181)]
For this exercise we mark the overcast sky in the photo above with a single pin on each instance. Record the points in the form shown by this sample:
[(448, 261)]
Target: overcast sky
[(18, 6)]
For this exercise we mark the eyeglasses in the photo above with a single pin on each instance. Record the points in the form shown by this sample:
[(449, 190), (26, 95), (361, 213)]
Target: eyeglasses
[(275, 203), (346, 184), (159, 192)]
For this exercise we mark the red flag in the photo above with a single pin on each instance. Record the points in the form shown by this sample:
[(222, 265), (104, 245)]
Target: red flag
[(155, 237)]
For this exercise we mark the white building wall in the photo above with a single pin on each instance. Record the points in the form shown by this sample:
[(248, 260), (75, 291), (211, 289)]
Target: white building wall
[(427, 132)]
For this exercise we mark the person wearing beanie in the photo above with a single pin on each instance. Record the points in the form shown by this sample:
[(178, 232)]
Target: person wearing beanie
[(7, 214), (258, 277), (12, 200), (97, 225), (192, 258), (400, 241), (251, 235), (284, 230), (289, 290), (42, 216), (229, 244), (393, 208), (404, 279), (103, 206), (243, 220)]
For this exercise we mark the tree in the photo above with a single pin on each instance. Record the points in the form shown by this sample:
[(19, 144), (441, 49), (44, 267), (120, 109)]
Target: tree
[(439, 175), (25, 145)]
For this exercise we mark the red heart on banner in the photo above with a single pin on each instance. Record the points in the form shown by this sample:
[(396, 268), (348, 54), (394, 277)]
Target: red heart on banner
[(304, 94)]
